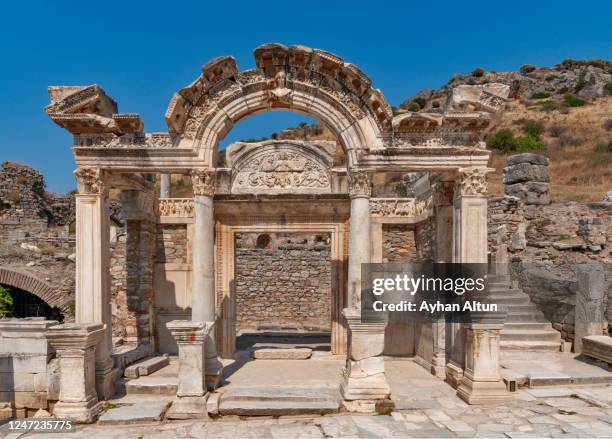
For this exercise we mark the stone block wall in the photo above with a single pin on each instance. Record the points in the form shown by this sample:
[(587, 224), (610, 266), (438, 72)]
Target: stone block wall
[(171, 243), (527, 178), (283, 282), (406, 243)]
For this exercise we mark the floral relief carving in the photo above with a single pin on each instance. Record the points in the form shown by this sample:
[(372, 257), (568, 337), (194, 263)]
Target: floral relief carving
[(203, 181), (399, 207), (360, 184), (282, 169), (471, 182), (90, 180), (176, 207)]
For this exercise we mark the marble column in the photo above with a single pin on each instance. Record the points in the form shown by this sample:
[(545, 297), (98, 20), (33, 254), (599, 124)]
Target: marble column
[(480, 381), (203, 266), (359, 233), (443, 211), (191, 338), (164, 185), (92, 304), (74, 345)]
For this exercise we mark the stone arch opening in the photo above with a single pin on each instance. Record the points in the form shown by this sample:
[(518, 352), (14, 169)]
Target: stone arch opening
[(297, 79), (15, 279)]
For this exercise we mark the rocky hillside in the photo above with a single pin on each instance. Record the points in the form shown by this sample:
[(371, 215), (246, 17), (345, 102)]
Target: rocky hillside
[(563, 112)]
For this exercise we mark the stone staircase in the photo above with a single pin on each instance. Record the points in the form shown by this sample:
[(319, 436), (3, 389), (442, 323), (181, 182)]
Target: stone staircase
[(526, 328)]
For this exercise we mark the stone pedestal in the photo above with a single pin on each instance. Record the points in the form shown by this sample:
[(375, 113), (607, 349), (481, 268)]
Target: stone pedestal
[(364, 387), (589, 314), (481, 382), (74, 344), (191, 337)]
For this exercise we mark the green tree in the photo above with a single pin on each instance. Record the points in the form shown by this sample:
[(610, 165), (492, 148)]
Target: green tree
[(6, 302)]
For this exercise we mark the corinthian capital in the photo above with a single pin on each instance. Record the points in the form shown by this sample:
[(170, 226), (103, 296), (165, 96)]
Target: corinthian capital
[(360, 184), (91, 180), (471, 182), (203, 181)]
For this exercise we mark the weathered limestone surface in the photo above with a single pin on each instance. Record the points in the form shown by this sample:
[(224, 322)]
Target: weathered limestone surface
[(590, 294), (527, 178), (598, 346), (74, 344), (282, 354)]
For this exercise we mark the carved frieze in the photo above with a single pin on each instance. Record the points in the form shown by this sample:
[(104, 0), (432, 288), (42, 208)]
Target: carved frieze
[(176, 207), (91, 180), (471, 182), (203, 181), (360, 184), (281, 169), (127, 141), (399, 207)]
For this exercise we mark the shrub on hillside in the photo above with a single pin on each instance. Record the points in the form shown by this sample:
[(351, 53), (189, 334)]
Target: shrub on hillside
[(501, 140), (527, 68), (581, 82), (413, 106), (569, 140), (540, 95), (528, 143), (608, 87), (608, 124), (571, 100), (556, 130), (478, 72), (549, 105), (6, 302), (604, 147), (533, 128)]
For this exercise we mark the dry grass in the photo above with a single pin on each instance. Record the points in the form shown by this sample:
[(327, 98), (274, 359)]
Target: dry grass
[(578, 172)]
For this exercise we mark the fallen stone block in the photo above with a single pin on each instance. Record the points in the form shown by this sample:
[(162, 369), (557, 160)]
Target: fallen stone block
[(534, 159), (598, 347), (282, 354), (146, 367)]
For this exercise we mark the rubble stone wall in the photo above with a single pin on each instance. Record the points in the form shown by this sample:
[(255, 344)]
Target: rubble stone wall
[(283, 282), (399, 244), (171, 243)]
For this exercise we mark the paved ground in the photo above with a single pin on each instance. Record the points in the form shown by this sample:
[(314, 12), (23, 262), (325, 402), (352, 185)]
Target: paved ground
[(425, 407)]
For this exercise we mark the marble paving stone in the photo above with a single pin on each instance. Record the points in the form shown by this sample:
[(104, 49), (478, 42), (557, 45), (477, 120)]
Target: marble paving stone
[(457, 426), (137, 413)]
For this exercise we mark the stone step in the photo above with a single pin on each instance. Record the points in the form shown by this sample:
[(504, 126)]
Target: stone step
[(523, 308), (151, 385), (502, 291), (146, 367), (279, 400), (553, 346), (512, 300), (530, 317), (499, 278), (598, 346), (135, 413), (529, 335), (528, 325)]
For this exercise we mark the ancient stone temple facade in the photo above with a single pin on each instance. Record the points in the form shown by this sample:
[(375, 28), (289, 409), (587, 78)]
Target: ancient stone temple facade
[(188, 299)]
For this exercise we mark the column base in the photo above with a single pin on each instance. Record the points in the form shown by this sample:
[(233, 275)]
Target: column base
[(368, 406), (81, 412), (105, 382), (213, 370), (482, 392), (188, 407), (454, 374)]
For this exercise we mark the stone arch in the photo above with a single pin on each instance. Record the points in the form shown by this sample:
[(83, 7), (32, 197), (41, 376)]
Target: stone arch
[(31, 284), (298, 79)]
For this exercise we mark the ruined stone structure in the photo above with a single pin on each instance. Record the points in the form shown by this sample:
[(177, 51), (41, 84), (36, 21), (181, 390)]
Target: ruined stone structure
[(179, 289)]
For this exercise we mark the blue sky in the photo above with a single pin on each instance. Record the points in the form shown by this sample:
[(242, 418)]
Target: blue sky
[(142, 52)]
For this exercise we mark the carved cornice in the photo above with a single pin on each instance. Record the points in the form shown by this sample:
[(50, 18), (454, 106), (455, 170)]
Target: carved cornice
[(203, 182), (126, 141), (176, 207), (471, 182), (91, 181), (360, 184), (399, 207)]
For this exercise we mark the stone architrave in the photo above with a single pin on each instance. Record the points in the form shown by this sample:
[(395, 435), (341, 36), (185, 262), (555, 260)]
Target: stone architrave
[(74, 344), (92, 272), (590, 293), (364, 387), (191, 338)]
